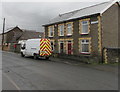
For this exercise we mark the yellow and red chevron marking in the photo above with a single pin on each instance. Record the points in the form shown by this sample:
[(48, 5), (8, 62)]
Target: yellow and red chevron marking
[(45, 48), (44, 44)]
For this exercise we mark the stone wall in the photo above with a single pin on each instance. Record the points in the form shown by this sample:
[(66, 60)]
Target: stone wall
[(111, 55), (15, 47), (11, 47)]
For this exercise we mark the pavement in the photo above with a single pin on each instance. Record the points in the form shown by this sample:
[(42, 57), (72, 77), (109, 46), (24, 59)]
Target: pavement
[(29, 74), (103, 67)]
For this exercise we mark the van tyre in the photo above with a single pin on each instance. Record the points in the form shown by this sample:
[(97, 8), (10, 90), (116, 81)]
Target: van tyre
[(35, 57), (46, 58), (22, 55)]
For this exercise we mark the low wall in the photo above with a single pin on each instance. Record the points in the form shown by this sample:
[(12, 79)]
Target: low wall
[(13, 47), (84, 59), (6, 47), (111, 55)]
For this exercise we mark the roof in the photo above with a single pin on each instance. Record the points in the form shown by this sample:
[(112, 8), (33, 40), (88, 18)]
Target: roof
[(30, 34), (87, 11), (10, 29), (28, 30)]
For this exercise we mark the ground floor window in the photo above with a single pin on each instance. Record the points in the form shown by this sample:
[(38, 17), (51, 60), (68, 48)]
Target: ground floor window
[(52, 45), (85, 45)]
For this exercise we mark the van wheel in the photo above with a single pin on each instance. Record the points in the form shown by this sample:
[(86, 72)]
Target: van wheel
[(35, 56), (46, 58), (22, 55)]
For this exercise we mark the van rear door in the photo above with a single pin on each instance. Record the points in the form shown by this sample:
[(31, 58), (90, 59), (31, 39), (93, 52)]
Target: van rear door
[(45, 47)]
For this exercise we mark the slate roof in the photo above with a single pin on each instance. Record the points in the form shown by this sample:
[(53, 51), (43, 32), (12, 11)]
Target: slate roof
[(10, 29), (29, 34), (91, 10)]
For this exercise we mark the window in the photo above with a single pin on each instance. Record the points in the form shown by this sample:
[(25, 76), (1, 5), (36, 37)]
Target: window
[(61, 30), (85, 45), (84, 26), (52, 45), (69, 29), (51, 31), (61, 48)]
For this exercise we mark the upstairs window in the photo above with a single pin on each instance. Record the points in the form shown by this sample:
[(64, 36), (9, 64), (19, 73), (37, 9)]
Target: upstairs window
[(61, 30), (51, 31), (84, 26), (69, 29)]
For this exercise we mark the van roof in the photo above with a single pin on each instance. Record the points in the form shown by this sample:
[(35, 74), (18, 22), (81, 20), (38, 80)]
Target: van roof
[(35, 39)]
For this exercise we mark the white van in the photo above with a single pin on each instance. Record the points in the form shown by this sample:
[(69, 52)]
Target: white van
[(36, 48)]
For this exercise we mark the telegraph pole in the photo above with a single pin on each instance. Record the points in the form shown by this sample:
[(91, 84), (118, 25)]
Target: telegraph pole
[(3, 33)]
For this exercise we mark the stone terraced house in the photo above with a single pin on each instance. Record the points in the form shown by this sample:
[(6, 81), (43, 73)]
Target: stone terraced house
[(85, 32)]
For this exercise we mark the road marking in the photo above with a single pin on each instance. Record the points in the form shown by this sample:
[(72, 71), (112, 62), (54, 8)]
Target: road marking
[(11, 81)]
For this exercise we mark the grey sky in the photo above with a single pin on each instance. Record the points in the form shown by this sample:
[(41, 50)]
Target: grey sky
[(32, 16)]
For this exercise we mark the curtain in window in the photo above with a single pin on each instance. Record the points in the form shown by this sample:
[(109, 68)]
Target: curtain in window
[(84, 26), (69, 29), (61, 30), (85, 47), (51, 31)]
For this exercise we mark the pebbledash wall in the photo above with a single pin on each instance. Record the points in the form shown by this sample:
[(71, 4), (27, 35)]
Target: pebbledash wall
[(103, 33)]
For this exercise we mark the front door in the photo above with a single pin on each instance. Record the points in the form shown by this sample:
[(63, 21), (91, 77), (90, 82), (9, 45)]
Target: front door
[(69, 47), (61, 47)]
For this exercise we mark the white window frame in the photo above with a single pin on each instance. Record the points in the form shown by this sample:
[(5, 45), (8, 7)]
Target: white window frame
[(69, 34), (51, 31), (85, 42), (85, 25), (60, 30)]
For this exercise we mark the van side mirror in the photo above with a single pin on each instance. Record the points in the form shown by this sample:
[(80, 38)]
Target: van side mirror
[(23, 48)]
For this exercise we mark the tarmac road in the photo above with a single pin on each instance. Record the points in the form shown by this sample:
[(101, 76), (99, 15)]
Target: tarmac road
[(29, 74)]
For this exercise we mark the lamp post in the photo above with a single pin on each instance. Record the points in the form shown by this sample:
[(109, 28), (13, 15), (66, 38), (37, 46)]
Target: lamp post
[(3, 33)]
